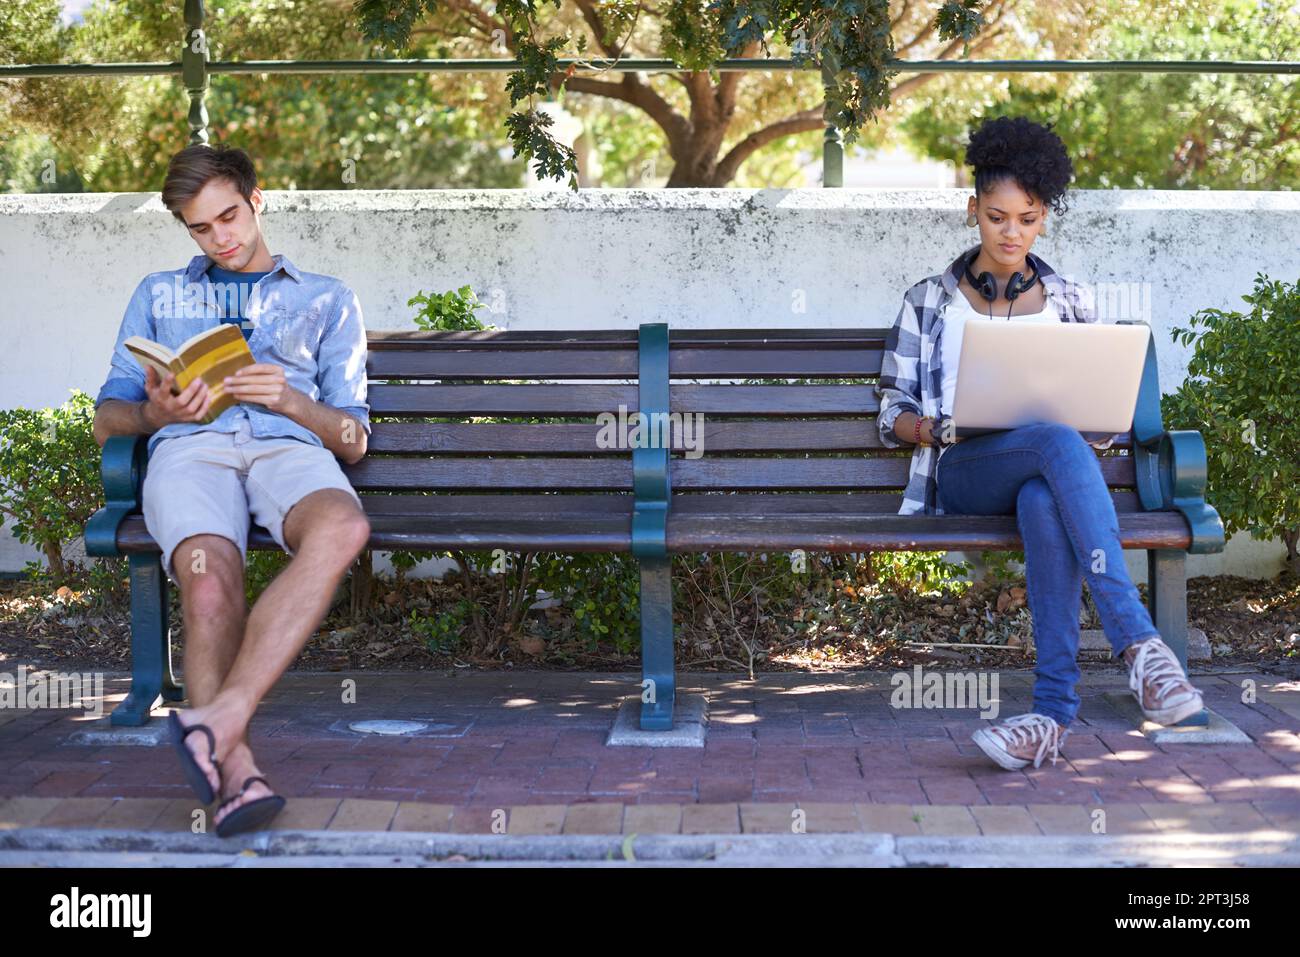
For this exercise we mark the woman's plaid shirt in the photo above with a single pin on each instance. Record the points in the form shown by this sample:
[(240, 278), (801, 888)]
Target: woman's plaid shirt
[(911, 374)]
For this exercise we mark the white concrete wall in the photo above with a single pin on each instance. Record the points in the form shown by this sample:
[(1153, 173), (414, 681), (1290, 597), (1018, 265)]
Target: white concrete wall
[(692, 258)]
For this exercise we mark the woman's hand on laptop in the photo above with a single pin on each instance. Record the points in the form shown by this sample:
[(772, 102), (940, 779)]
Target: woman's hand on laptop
[(163, 408)]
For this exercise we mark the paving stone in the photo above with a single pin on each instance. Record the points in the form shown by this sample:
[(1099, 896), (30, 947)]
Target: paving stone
[(1123, 818), (888, 818), (18, 812), (1283, 815), (77, 812), (182, 814), (306, 814), (831, 818), (711, 819), (652, 819), (479, 820), (767, 818), (1004, 819), (536, 819), (946, 819), (131, 814), (603, 818), (1207, 818), (419, 816), (355, 814), (1062, 819)]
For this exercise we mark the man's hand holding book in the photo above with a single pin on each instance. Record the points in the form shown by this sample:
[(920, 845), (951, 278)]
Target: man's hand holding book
[(163, 408)]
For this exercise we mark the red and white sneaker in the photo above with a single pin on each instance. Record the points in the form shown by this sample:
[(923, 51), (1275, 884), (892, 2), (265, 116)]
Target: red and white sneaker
[(1016, 742), (1160, 685)]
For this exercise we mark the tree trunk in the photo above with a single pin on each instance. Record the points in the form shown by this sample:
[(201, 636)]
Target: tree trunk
[(695, 162), (54, 555)]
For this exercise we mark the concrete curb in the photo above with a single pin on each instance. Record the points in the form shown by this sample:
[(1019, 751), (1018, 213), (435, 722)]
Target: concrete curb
[(52, 847)]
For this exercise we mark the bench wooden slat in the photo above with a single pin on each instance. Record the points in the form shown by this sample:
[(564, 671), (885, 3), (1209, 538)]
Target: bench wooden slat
[(893, 532), (775, 400), (785, 474), (463, 438), (558, 438), (593, 533), (446, 507), (620, 363), (503, 364), (830, 338), (487, 400), (823, 503), (460, 438), (773, 363), (591, 400), (689, 532), (451, 474), (424, 510), (827, 473), (406, 340)]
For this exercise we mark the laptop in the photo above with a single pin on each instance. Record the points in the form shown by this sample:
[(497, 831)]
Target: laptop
[(1085, 375)]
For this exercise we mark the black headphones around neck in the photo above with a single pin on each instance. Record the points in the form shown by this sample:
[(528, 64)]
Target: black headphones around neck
[(987, 286)]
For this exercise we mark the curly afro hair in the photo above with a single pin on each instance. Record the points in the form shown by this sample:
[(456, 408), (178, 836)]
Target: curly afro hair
[(1020, 149)]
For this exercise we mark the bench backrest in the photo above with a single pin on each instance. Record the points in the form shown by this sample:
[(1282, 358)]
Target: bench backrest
[(814, 435)]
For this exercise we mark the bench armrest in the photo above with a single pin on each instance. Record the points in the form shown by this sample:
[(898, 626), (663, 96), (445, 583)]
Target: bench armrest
[(1171, 473), (122, 469), (1171, 466)]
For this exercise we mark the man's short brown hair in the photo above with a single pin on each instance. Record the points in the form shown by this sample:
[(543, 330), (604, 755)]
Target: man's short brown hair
[(195, 166)]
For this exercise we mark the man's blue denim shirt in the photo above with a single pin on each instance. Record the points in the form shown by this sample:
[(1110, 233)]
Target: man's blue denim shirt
[(307, 323)]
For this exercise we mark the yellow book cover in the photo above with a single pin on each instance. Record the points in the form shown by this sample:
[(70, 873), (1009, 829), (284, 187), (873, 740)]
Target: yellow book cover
[(211, 355)]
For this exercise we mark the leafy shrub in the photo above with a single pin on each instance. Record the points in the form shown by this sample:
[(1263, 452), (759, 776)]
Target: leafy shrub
[(451, 311), (602, 591), (444, 631), (259, 568), (49, 476), (997, 565), (920, 571), (1241, 395)]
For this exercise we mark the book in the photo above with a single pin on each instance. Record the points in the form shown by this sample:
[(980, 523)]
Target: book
[(211, 355)]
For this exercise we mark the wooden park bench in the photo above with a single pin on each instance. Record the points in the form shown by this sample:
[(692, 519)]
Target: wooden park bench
[(770, 478)]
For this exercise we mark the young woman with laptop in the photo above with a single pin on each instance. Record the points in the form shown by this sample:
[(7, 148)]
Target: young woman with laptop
[(1045, 472)]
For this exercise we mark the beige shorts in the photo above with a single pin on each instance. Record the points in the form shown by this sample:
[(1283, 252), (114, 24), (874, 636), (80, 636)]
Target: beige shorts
[(214, 482)]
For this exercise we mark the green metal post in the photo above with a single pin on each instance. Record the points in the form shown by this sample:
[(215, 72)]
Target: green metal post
[(194, 70), (832, 158), (651, 487), (832, 143)]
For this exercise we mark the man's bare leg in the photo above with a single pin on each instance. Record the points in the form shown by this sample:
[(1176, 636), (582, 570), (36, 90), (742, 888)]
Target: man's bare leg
[(210, 573), (326, 530)]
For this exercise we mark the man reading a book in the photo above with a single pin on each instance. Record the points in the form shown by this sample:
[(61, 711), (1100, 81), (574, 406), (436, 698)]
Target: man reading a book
[(272, 455)]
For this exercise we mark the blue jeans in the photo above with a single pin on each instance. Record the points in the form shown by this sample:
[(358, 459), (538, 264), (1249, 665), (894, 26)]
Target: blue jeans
[(1050, 478)]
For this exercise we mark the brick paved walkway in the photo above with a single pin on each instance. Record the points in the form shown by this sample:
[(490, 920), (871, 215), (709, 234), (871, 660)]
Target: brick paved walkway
[(528, 747)]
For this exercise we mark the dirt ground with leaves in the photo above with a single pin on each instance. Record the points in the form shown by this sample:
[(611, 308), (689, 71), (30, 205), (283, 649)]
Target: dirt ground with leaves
[(827, 624)]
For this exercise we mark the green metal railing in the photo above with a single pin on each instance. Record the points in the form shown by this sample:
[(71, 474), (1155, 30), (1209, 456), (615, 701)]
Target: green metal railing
[(196, 70)]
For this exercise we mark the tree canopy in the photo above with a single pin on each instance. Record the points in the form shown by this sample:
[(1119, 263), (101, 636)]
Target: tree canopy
[(694, 126)]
